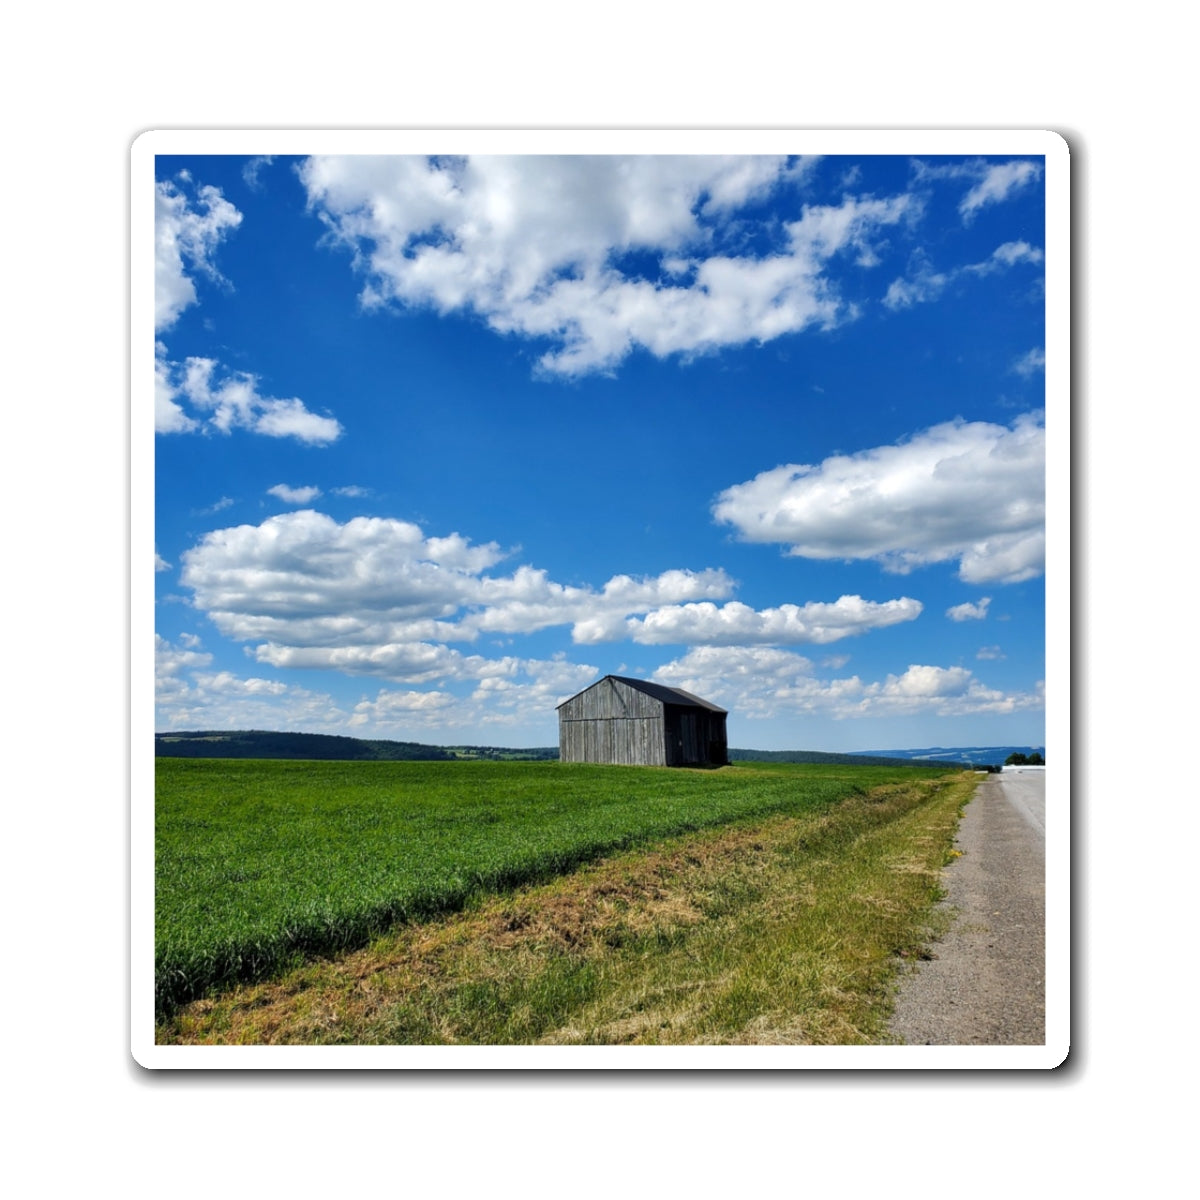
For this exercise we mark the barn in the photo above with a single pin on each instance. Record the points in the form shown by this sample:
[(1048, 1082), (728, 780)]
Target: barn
[(636, 723)]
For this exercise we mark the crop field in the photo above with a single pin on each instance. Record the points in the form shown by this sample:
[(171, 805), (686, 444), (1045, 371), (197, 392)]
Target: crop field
[(262, 865)]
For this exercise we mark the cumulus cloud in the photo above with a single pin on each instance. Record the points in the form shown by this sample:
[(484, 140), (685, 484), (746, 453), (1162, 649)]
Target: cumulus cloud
[(411, 661), (529, 601), (597, 255), (969, 612), (524, 696), (160, 563), (970, 491), (736, 624), (391, 707), (170, 664), (227, 684), (508, 693), (187, 231), (222, 401), (188, 695), (169, 416), (762, 683), (377, 596), (170, 660), (294, 495)]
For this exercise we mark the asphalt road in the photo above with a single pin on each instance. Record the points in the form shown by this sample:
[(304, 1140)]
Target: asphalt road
[(986, 985)]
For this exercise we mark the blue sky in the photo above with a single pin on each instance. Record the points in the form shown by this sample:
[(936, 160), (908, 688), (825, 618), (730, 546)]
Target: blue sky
[(442, 441)]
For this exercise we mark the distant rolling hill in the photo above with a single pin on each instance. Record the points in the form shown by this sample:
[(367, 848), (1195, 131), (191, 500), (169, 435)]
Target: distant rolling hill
[(974, 755), (258, 743)]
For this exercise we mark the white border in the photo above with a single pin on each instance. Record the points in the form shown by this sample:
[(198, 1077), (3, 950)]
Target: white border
[(1058, 594)]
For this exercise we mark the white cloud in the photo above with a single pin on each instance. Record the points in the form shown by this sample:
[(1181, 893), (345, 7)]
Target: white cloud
[(992, 182), (390, 708), (736, 624), (290, 418), (296, 709), (291, 495), (1005, 557), (170, 663), (511, 693), (969, 612), (761, 683), (410, 662), (226, 683), (971, 491), (540, 247), (998, 183), (525, 696), (251, 171), (924, 284), (160, 563), (228, 403), (376, 596), (1009, 254), (921, 285), (1030, 363), (185, 236), (990, 653), (188, 696), (169, 417), (529, 600)]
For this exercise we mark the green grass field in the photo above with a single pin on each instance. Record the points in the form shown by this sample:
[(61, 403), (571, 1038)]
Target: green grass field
[(263, 864)]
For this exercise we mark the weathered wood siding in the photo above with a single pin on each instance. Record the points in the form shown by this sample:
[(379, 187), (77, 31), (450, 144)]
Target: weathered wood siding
[(612, 723), (608, 700), (626, 742)]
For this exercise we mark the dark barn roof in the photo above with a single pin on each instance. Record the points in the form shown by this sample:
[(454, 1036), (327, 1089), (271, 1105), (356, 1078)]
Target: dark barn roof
[(667, 695)]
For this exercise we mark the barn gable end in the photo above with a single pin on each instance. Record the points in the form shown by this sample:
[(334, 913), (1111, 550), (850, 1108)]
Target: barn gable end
[(633, 722)]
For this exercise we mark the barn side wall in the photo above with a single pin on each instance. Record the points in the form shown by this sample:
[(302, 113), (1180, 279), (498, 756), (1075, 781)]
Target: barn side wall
[(612, 723), (635, 741)]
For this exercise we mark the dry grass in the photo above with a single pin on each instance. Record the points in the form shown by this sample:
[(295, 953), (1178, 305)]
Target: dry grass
[(789, 931)]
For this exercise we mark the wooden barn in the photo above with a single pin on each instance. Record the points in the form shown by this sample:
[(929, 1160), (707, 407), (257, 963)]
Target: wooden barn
[(635, 723)]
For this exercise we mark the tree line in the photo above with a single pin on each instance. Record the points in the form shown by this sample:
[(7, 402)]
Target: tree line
[(1017, 759)]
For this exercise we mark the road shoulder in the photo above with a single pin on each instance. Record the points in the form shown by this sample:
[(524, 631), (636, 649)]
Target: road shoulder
[(985, 985)]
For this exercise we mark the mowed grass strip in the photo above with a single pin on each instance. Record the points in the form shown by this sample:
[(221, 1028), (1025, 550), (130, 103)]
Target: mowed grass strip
[(784, 929), (261, 865)]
